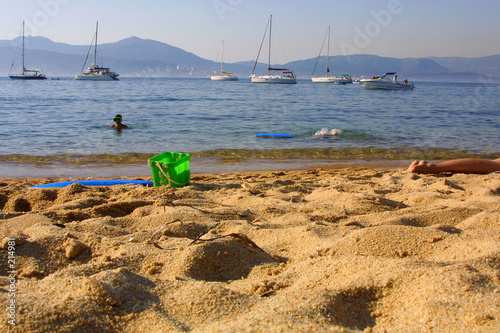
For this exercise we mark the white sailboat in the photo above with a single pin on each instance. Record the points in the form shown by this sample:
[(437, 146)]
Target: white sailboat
[(344, 79), (26, 74), (223, 76), (94, 72), (285, 77)]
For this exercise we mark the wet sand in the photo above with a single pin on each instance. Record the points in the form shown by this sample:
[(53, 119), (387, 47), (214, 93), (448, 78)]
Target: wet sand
[(197, 165)]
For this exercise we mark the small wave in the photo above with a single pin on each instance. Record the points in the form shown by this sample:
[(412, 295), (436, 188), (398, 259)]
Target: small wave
[(78, 159), (231, 155), (326, 131)]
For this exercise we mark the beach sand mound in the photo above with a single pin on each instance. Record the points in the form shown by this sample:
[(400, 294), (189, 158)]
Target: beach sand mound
[(350, 250)]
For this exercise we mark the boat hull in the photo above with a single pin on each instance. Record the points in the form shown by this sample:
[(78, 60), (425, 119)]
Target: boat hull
[(384, 85), (28, 77), (96, 77), (331, 79), (223, 78), (274, 79)]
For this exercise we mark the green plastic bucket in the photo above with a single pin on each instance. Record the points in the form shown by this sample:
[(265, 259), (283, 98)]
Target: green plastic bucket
[(170, 169)]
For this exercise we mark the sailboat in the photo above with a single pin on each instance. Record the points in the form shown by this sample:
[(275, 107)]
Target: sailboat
[(26, 74), (94, 72), (223, 76), (285, 77), (344, 79)]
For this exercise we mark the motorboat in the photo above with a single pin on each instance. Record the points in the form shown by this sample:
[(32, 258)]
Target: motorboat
[(274, 75), (388, 81), (95, 72), (223, 75), (26, 74)]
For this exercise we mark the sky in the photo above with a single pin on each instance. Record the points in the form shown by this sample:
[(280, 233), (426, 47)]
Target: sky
[(390, 28)]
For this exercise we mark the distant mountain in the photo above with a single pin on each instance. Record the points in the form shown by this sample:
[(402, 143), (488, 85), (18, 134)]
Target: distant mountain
[(144, 57), (42, 43), (131, 56), (367, 65), (484, 65)]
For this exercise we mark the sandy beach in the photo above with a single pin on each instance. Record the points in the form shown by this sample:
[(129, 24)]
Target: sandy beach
[(317, 250)]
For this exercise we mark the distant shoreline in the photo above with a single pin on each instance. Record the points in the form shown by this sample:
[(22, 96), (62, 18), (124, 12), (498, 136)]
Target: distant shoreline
[(61, 60), (428, 78)]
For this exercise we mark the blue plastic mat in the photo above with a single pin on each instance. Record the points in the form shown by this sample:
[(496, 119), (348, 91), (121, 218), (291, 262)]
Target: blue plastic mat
[(97, 182)]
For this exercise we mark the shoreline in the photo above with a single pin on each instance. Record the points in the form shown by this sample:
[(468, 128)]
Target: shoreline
[(197, 166), (220, 161)]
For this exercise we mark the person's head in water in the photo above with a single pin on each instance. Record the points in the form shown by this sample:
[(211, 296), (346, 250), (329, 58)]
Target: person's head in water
[(118, 122)]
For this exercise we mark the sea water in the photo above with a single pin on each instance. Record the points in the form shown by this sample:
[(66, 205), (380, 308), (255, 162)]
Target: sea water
[(60, 125)]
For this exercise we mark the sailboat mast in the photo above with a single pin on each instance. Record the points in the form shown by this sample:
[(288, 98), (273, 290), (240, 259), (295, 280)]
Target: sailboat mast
[(24, 68), (95, 47), (328, 52), (222, 57), (269, 57)]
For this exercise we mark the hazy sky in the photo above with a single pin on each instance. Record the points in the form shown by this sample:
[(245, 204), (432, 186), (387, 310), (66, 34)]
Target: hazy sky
[(394, 28)]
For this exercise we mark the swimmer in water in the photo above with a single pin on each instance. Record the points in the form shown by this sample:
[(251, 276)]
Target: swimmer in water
[(325, 131), (118, 123), (463, 165)]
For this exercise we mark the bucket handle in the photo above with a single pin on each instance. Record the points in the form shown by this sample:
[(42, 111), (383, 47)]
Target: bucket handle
[(159, 165)]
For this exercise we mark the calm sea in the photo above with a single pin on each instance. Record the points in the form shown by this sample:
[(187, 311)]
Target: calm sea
[(59, 127)]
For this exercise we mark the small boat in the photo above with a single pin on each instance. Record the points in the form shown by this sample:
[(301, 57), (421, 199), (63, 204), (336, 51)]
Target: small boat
[(94, 72), (388, 81), (223, 76), (274, 75), (26, 74), (344, 79)]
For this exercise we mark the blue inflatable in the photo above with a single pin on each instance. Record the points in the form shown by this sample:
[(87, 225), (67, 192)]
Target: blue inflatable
[(273, 135), (97, 182)]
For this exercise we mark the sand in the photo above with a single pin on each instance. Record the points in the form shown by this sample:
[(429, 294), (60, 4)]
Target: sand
[(349, 250)]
